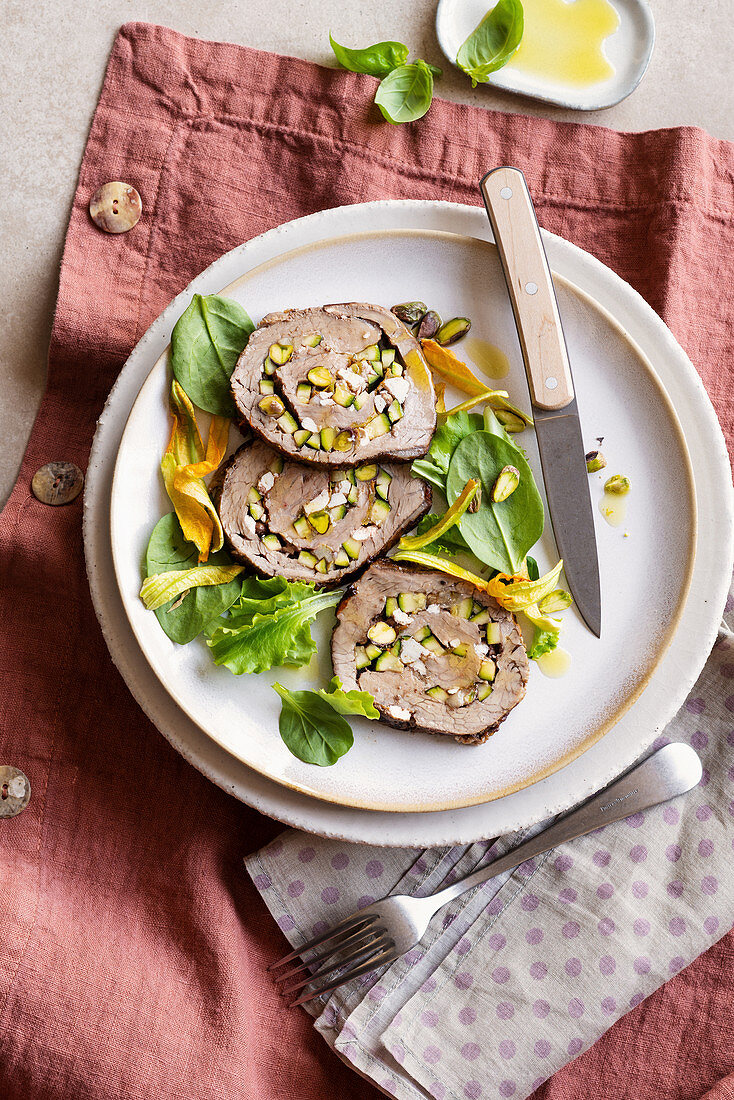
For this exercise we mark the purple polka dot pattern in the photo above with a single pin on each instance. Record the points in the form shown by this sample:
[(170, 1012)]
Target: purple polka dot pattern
[(575, 927), (365, 900), (607, 964)]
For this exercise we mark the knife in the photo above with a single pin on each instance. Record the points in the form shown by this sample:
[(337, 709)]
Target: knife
[(557, 425)]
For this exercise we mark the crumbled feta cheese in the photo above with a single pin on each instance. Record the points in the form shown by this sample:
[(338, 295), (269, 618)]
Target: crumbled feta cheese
[(317, 503), (433, 609), (399, 712), (363, 533), (249, 524), (452, 691), (400, 617), (337, 498), (309, 424), (454, 642), (266, 482), (380, 403), (481, 650), (324, 398), (419, 667), (398, 387), (344, 487), (355, 381), (411, 650)]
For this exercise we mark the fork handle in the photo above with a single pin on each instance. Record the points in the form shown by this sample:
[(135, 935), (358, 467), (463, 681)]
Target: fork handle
[(670, 771)]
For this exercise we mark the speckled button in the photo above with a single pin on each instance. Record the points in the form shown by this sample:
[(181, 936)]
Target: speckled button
[(15, 791), (57, 483), (115, 207)]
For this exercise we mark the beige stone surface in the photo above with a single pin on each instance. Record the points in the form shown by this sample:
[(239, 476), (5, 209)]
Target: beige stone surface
[(51, 69)]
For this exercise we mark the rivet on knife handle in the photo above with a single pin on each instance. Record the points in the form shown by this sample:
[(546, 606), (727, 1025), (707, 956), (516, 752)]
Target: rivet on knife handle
[(530, 286)]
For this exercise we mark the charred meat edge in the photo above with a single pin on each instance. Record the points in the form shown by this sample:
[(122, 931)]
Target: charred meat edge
[(405, 344), (512, 662), (271, 563)]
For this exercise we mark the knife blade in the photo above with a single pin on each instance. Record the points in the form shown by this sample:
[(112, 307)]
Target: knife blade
[(545, 355)]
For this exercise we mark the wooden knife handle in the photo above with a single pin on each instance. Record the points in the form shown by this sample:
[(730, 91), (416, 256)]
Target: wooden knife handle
[(530, 285)]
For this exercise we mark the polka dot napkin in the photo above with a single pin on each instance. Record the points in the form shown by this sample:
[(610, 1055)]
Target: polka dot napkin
[(517, 978)]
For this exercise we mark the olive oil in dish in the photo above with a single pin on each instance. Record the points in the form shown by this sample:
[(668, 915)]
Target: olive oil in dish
[(614, 509), (564, 42), (491, 360), (554, 664)]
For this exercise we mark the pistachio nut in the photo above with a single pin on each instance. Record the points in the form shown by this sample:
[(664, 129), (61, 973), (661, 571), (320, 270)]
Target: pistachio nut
[(410, 312), (320, 377), (507, 481), (429, 325), (344, 440), (557, 600), (510, 421), (595, 460), (453, 330), (476, 500), (271, 405), (280, 353), (617, 484)]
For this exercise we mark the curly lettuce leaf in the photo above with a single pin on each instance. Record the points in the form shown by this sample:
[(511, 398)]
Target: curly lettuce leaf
[(349, 702), (270, 625)]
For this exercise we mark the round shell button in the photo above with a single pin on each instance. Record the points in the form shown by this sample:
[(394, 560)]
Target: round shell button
[(15, 791), (57, 483), (115, 207)]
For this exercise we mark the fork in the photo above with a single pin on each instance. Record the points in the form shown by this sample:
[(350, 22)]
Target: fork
[(385, 930)]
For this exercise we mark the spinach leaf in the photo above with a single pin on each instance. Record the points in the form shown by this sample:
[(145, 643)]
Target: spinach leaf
[(349, 702), (451, 542), (406, 93), (435, 466), (311, 728), (500, 534), (205, 344), (493, 42), (377, 60), (269, 625), (533, 571), (184, 619)]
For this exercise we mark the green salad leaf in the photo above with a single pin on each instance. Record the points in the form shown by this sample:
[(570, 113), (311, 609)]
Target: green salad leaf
[(435, 466), (311, 728), (376, 60), (533, 571), (269, 625), (493, 42), (205, 344), (544, 641), (185, 618), (405, 94), (349, 702), (500, 534)]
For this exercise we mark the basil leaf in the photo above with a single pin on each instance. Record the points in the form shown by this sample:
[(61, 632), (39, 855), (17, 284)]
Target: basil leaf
[(500, 534), (349, 702), (183, 620), (406, 93), (205, 344), (436, 73), (493, 42), (311, 729), (269, 625), (377, 60), (533, 571)]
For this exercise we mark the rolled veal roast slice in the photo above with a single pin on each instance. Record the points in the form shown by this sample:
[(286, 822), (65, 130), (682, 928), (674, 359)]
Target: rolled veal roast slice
[(305, 523), (336, 386), (435, 653)]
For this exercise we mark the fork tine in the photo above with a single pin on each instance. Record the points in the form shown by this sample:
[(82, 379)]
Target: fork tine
[(358, 954), (349, 923), (370, 963), (344, 940)]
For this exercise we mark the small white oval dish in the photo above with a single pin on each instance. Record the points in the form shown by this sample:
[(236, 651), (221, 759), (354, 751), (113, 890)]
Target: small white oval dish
[(627, 49)]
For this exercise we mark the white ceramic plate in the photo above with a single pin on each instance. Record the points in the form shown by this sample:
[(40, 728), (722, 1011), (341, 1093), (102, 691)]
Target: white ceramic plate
[(628, 50), (644, 577)]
